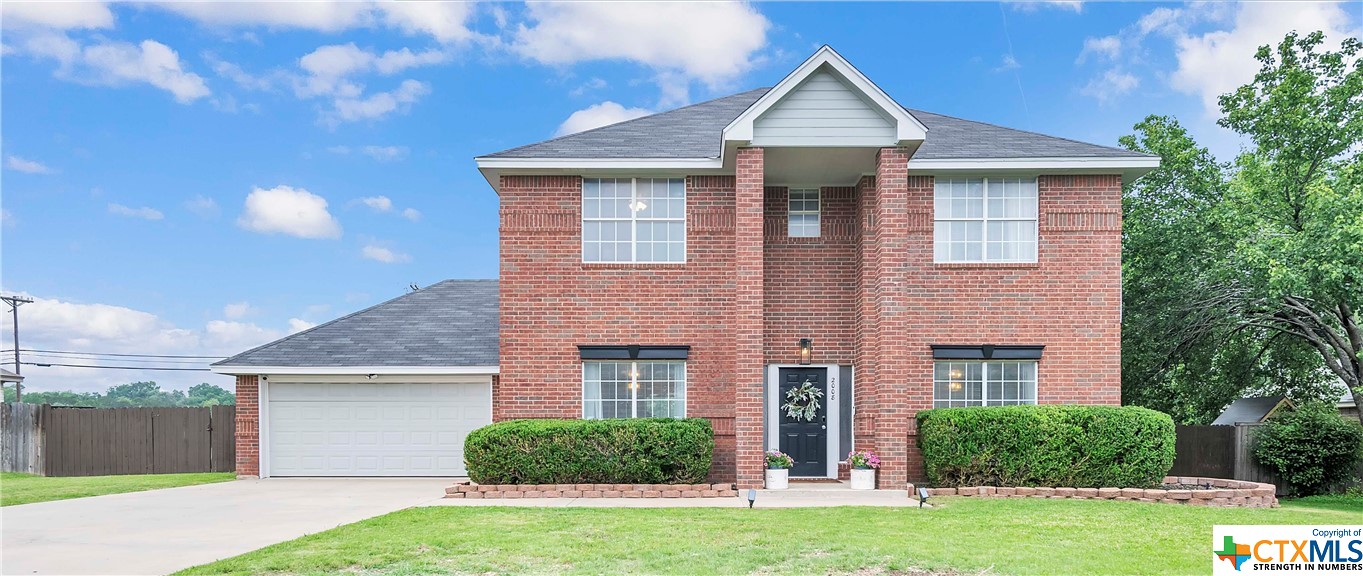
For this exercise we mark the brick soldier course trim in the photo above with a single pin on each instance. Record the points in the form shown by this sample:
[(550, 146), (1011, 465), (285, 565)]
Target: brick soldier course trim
[(1225, 493), (471, 490)]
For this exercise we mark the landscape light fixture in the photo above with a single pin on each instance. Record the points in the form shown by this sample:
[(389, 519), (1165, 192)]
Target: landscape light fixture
[(922, 496), (806, 351), (752, 497)]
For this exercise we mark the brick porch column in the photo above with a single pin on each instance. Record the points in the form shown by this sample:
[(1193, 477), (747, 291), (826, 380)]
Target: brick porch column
[(248, 426), (748, 370), (891, 304)]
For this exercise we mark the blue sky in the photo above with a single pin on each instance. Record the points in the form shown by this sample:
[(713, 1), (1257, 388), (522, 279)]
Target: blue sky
[(199, 178)]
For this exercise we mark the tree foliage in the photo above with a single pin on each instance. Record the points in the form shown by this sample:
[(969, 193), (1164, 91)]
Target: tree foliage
[(1312, 447), (132, 395), (1247, 277)]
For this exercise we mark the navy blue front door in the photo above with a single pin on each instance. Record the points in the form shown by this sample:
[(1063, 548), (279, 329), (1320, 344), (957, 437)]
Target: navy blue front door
[(805, 440)]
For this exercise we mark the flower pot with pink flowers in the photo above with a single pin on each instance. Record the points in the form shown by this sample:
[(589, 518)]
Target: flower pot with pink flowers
[(778, 470), (864, 465)]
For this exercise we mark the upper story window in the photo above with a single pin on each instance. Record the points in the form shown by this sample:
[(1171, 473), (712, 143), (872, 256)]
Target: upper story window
[(985, 220), (634, 220), (803, 217)]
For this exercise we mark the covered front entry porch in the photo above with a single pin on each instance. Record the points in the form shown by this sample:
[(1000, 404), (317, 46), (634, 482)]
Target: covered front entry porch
[(809, 415)]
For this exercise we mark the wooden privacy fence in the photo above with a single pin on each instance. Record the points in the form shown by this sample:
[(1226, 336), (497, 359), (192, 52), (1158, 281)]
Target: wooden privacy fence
[(1220, 452), (59, 441)]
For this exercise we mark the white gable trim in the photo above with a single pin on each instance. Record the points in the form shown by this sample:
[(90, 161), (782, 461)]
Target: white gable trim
[(907, 128)]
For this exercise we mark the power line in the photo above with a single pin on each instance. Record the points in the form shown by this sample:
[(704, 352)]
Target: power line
[(51, 364), (63, 356), (114, 354)]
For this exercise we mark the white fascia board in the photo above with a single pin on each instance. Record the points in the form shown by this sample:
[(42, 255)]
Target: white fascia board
[(598, 163), (1067, 163), (361, 370), (908, 128)]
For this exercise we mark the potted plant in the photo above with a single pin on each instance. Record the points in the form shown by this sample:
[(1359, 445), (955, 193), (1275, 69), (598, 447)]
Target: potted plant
[(864, 465), (778, 470)]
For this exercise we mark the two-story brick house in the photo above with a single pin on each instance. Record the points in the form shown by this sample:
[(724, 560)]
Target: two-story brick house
[(704, 262)]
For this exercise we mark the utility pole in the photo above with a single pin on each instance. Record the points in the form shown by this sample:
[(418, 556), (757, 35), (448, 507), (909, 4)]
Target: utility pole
[(14, 303)]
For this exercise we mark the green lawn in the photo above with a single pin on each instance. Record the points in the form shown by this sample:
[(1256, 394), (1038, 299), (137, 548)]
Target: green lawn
[(18, 488), (964, 535)]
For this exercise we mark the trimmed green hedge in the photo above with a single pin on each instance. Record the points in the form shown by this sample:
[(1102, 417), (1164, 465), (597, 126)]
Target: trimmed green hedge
[(1050, 445), (614, 451), (1312, 447)]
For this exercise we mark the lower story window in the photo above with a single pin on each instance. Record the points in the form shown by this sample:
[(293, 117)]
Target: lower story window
[(647, 389), (1008, 383)]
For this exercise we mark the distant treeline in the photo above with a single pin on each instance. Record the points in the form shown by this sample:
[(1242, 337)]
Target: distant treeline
[(134, 395)]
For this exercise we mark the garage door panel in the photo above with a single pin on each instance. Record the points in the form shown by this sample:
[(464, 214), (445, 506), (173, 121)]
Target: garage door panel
[(362, 429)]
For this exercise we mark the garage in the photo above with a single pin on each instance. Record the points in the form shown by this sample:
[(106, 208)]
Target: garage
[(391, 390), (372, 428)]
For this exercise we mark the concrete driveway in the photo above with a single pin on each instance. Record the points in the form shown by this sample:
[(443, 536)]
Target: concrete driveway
[(161, 531)]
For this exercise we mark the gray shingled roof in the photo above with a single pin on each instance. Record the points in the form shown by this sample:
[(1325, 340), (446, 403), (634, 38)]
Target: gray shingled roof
[(695, 131), (1247, 410), (688, 132), (453, 323)]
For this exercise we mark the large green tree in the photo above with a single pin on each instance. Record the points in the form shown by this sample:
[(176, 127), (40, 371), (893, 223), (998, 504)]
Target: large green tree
[(131, 395), (1248, 276)]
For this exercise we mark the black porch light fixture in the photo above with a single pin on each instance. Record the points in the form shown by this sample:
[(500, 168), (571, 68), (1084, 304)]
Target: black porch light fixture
[(806, 351)]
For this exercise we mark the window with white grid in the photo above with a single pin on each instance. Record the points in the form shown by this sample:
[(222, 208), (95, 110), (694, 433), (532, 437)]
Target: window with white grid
[(634, 220), (959, 384), (985, 220), (634, 389), (803, 216)]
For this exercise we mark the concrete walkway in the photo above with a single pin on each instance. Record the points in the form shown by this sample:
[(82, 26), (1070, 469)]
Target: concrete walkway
[(161, 531)]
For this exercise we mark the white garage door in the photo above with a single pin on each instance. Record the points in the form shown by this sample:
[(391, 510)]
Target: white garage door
[(373, 429)]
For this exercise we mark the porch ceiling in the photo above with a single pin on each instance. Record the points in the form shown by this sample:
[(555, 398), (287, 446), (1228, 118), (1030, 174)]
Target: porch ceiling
[(817, 166)]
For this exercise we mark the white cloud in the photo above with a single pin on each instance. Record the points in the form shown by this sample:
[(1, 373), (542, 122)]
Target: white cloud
[(287, 210), (411, 214), (203, 206), (143, 212), (1008, 63), (1110, 85), (380, 153), (1109, 47), (378, 203), (112, 63), (598, 115), (58, 15), (377, 105), (26, 166), (237, 310), (385, 255), (1220, 61), (6, 218), (56, 324), (384, 153), (442, 21), (712, 42), (1034, 5), (298, 325)]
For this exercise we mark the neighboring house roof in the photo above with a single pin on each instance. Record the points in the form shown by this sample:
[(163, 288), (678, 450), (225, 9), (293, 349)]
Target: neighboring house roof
[(1251, 410), (450, 324), (7, 376), (695, 132)]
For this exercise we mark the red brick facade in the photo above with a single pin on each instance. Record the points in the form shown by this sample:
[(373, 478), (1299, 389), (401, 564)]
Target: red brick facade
[(867, 292), (248, 426)]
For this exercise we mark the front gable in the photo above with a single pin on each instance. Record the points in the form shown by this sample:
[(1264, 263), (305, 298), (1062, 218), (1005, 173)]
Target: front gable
[(824, 111), (825, 102)]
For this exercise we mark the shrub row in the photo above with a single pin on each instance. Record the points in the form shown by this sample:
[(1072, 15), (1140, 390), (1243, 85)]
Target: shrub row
[(615, 451), (1051, 445)]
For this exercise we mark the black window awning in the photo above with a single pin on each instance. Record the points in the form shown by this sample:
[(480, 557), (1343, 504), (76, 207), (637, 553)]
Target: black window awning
[(634, 352), (985, 352)]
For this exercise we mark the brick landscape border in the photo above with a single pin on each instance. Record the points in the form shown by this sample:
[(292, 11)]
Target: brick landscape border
[(1225, 493), (471, 490)]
